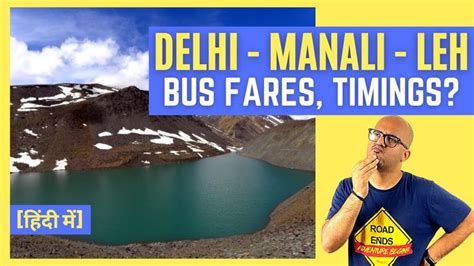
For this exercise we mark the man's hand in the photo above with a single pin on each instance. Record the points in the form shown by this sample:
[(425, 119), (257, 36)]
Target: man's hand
[(361, 174), (450, 241), (337, 230)]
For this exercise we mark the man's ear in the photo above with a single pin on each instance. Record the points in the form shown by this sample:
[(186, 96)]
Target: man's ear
[(406, 155)]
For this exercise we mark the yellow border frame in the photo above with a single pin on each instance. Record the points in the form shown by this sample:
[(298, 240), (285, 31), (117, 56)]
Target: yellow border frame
[(329, 13)]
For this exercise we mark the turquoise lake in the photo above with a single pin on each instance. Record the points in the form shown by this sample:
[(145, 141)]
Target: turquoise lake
[(215, 197)]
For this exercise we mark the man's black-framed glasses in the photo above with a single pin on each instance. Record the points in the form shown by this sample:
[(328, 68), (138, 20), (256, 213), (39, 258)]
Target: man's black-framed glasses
[(389, 139)]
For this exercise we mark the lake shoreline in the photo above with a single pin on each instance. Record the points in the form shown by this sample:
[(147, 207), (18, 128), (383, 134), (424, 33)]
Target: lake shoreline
[(290, 233)]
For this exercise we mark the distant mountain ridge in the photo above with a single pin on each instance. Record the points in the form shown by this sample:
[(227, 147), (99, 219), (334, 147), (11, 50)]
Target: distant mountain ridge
[(244, 128)]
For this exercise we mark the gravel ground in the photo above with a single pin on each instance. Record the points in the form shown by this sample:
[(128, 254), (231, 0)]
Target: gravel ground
[(296, 241)]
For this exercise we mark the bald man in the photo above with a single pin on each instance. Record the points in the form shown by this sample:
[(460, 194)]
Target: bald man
[(390, 216)]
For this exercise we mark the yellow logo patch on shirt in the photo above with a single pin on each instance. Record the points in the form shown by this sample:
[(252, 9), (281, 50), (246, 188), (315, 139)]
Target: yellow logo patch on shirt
[(382, 240)]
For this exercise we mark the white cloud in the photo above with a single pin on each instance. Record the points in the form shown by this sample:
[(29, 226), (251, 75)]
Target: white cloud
[(88, 53), (131, 69), (35, 64), (79, 61)]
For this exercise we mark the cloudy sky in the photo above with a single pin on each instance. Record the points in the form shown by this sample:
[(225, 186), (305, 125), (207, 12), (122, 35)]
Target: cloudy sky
[(110, 45)]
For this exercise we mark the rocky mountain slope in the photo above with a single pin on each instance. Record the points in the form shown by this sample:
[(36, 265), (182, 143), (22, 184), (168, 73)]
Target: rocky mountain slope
[(74, 127), (89, 126), (299, 208), (288, 145), (244, 128)]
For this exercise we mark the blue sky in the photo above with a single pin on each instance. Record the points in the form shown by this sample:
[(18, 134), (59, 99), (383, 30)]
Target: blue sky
[(39, 27)]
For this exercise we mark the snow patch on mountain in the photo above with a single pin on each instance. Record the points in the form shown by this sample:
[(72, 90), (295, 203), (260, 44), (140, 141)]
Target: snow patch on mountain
[(166, 138), (233, 149), (30, 132), (163, 140), (60, 165), (29, 99), (212, 144), (104, 134), (25, 159), (67, 95), (147, 131), (274, 120), (194, 148), (102, 146)]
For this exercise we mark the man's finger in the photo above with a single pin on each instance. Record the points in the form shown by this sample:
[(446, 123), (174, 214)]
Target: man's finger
[(370, 165), (365, 162), (369, 173)]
